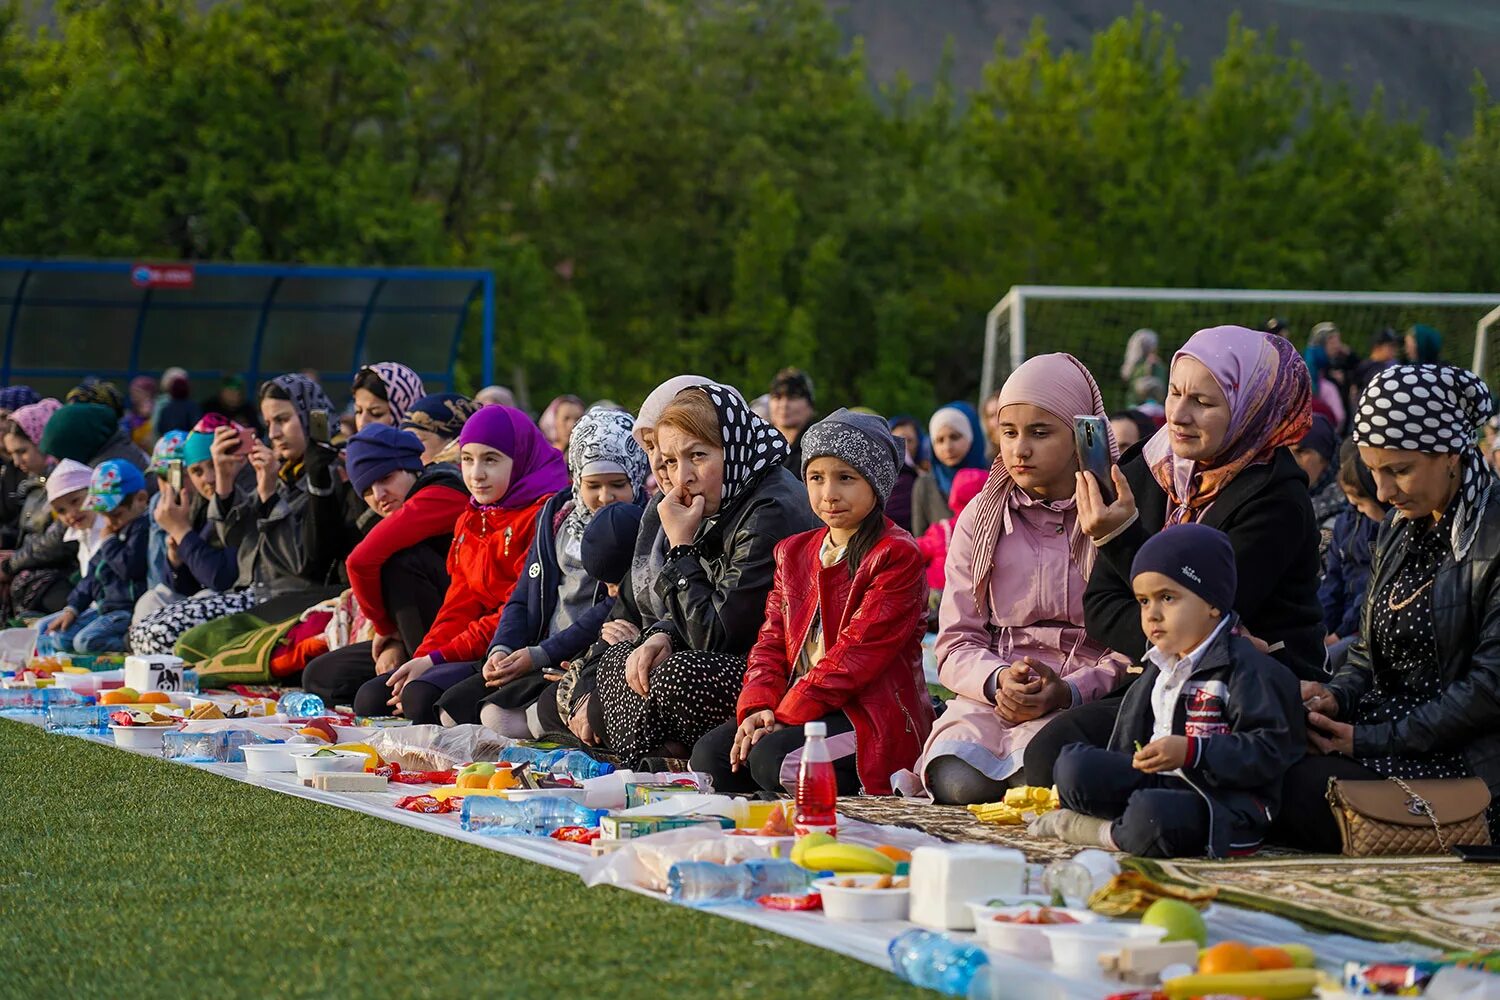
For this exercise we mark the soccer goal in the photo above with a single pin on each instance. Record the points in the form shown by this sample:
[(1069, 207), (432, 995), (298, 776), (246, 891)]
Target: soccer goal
[(1093, 324)]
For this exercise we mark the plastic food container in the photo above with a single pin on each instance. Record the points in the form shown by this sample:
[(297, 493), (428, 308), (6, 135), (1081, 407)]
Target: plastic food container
[(272, 758), (1077, 947), (339, 762), (840, 903), (140, 737), (1022, 940)]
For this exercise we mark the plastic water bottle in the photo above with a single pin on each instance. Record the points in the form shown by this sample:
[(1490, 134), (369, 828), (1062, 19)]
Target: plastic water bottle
[(493, 816), (300, 705), (936, 961), (574, 763), (79, 719), (817, 785), (707, 883), (776, 877)]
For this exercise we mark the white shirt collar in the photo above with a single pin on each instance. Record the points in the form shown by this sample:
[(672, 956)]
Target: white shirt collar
[(1168, 662)]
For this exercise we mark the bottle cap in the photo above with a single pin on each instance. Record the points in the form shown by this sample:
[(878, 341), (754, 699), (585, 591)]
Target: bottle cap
[(815, 729)]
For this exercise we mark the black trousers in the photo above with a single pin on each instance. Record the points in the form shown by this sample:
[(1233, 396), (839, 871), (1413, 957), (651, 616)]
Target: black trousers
[(412, 584), (1306, 819), (1090, 724), (1155, 815), (763, 773)]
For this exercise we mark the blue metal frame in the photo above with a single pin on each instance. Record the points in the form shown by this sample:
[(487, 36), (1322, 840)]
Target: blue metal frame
[(483, 285)]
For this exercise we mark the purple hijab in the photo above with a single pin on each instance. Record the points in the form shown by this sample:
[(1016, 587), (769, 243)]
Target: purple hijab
[(537, 469)]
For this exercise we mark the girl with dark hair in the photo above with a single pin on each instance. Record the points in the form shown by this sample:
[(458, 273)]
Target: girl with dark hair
[(384, 392), (842, 637)]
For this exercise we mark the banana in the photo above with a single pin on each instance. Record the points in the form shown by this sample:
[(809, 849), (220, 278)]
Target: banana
[(1277, 984), (847, 858), (807, 841)]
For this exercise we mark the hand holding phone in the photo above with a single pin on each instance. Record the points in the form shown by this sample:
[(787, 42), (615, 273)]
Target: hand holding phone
[(174, 474), (1091, 442)]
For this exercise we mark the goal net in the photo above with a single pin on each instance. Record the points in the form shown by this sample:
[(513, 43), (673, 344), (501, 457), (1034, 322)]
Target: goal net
[(1094, 324)]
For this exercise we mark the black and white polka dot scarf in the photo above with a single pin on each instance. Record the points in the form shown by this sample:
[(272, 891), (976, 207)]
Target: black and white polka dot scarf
[(752, 447), (1434, 409)]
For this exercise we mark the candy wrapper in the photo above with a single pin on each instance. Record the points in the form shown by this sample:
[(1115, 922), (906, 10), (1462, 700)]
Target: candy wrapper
[(428, 804)]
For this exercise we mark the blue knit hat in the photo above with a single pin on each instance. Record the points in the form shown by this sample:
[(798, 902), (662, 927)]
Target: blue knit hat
[(1196, 556), (377, 451), (609, 541)]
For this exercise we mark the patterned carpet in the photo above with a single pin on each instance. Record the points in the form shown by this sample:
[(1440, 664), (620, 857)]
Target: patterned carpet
[(1437, 901)]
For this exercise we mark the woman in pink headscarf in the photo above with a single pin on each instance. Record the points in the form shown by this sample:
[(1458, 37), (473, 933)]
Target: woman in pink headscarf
[(558, 418), (1237, 399), (1011, 640)]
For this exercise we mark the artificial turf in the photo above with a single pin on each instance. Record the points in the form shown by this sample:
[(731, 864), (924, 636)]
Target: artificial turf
[(125, 876)]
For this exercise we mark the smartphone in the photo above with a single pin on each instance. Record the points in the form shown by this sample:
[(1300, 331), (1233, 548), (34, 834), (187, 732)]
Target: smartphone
[(174, 474), (1487, 854), (1091, 441), (317, 426)]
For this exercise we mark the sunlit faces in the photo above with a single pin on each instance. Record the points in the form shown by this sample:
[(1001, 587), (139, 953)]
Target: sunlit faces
[(371, 409), (486, 472), (696, 466), (605, 488), (24, 455), (283, 429), (1175, 620), (1365, 505), (950, 445), (68, 509), (388, 493), (1197, 412), (204, 479), (1038, 451), (567, 415), (838, 494), (1415, 483)]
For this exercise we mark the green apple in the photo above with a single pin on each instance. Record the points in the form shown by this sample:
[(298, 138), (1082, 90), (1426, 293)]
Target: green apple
[(482, 767), (1182, 922)]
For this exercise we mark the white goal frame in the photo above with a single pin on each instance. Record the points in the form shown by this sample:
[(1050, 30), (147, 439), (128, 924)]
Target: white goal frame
[(1013, 306)]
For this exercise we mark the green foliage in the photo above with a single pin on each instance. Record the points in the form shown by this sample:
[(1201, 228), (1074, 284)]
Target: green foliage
[(713, 185)]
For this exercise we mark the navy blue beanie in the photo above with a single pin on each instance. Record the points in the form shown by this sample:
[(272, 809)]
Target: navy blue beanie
[(377, 451), (609, 541), (1196, 556)]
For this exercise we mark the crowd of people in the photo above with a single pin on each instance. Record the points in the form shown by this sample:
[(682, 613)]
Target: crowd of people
[(1290, 575)]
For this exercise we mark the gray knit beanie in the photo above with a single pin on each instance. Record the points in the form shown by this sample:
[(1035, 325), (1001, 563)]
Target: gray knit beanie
[(860, 440)]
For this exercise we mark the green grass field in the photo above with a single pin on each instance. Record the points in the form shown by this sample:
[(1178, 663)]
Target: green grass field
[(124, 876)]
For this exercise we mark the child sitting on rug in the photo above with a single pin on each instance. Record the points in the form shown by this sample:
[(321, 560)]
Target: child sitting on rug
[(841, 643), (1205, 735), (99, 608)]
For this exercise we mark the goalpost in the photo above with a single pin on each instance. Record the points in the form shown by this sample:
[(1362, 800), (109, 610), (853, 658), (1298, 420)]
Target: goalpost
[(1093, 323)]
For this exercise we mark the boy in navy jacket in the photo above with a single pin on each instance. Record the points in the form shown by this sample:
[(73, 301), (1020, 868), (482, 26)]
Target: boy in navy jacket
[(99, 608), (1204, 737)]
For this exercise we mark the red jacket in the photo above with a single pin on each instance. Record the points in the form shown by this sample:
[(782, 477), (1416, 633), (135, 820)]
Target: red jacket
[(872, 636), (488, 553), (426, 514)]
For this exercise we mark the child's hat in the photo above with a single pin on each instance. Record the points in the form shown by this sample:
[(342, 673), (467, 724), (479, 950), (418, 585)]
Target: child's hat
[(608, 544), (862, 441), (1196, 556), (112, 483), (168, 449), (68, 477)]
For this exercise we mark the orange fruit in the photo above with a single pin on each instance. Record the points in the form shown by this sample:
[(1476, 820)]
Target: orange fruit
[(1227, 956), (474, 781), (155, 698), (502, 778), (119, 696), (894, 853), (1272, 958)]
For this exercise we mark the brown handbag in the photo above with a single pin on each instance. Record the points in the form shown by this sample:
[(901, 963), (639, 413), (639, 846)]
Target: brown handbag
[(1409, 817)]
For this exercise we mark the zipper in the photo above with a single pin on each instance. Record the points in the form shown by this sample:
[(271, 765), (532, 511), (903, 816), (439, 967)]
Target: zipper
[(508, 532), (911, 726)]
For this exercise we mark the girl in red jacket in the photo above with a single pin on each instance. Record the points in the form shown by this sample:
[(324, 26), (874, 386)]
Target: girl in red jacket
[(510, 471), (842, 637)]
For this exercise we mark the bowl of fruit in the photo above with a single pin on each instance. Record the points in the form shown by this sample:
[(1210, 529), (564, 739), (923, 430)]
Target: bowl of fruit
[(1016, 927)]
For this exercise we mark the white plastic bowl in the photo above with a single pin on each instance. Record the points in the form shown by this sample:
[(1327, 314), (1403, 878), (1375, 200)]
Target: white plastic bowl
[(1077, 947), (1022, 940), (272, 758), (840, 903), (140, 737), (517, 794), (342, 762)]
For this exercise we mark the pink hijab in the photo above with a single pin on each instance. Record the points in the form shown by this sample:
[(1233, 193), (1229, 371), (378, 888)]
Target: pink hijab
[(32, 419), (1061, 385), (1269, 391)]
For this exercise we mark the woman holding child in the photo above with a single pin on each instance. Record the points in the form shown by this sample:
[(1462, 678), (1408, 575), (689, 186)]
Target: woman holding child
[(1419, 696)]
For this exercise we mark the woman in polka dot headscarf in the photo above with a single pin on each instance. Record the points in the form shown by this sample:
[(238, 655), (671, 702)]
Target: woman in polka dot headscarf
[(1419, 696), (731, 501)]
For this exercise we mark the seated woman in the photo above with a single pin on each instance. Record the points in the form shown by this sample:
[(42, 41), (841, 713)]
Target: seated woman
[(842, 639), (437, 420), (557, 609), (279, 573), (1011, 639), (732, 500), (510, 471), (1237, 400), (957, 443), (1419, 696), (43, 562), (384, 392), (398, 572)]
